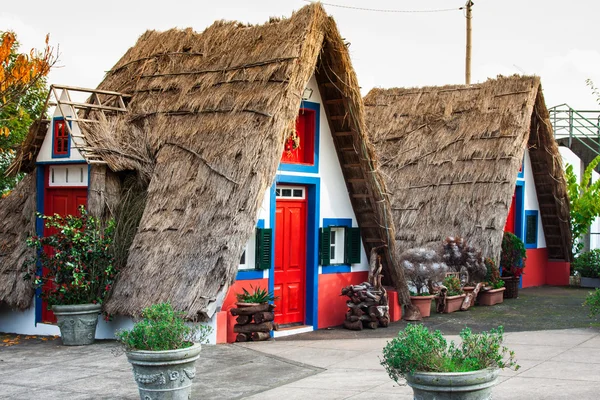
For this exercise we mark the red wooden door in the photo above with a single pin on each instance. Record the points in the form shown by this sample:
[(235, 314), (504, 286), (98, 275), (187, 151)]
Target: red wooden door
[(62, 201), (510, 220), (290, 261)]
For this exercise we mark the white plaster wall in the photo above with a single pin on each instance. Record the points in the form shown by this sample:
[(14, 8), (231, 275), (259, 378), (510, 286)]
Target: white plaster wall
[(531, 200), (45, 154)]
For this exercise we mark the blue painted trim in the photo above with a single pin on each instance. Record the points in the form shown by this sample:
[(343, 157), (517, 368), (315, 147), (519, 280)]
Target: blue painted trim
[(335, 269), (536, 214), (313, 196), (245, 275), (260, 224), (60, 162), (39, 230), (54, 155), (316, 107), (520, 209)]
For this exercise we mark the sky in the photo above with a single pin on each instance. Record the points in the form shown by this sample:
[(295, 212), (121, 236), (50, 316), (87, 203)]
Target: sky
[(556, 40)]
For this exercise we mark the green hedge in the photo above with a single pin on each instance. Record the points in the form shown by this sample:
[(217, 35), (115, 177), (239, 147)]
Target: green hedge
[(588, 264)]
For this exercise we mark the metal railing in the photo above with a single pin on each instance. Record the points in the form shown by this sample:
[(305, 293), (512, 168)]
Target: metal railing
[(576, 125)]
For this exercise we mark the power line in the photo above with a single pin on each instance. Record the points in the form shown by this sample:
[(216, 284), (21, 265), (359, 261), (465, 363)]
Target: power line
[(386, 11)]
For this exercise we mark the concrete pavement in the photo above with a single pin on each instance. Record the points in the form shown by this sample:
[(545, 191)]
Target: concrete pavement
[(555, 364)]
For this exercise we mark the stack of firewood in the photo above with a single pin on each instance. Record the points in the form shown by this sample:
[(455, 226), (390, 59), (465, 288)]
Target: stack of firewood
[(254, 323), (368, 305)]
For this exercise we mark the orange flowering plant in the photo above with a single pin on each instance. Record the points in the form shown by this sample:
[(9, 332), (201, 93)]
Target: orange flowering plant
[(74, 264)]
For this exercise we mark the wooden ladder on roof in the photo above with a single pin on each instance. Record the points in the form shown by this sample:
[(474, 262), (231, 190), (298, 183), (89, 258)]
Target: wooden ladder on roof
[(103, 101)]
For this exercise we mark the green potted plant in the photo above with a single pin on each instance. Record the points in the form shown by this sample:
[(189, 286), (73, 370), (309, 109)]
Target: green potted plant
[(422, 267), (163, 348), (587, 265), (512, 262), (434, 370), (493, 292), (73, 268), (454, 295), (254, 298)]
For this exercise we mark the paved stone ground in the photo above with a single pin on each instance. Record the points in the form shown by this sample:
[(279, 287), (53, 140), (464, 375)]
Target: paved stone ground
[(556, 364)]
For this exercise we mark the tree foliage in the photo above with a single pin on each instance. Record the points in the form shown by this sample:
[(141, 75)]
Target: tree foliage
[(584, 197), (22, 95)]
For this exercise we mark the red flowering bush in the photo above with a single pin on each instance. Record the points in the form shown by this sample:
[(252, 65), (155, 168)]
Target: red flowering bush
[(513, 255), (73, 265)]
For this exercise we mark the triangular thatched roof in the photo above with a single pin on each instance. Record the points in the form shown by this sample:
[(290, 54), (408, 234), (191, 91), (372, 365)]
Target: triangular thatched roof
[(450, 157), (208, 116)]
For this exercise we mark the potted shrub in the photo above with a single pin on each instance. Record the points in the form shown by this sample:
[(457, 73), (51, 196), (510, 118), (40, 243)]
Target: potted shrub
[(587, 265), (258, 296), (163, 349), (73, 268), (512, 262), (435, 370), (423, 268), (493, 292), (454, 295)]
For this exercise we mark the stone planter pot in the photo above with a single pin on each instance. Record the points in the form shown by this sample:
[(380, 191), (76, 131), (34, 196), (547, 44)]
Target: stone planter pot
[(423, 303), (453, 303), (491, 297), (590, 282), (77, 323), (476, 385), (165, 375)]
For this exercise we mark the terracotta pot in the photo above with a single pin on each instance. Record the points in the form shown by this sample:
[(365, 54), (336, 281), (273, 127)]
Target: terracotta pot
[(423, 303), (240, 304), (491, 297), (453, 303)]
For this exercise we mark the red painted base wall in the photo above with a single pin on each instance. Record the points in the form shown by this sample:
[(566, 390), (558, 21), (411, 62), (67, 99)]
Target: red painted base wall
[(332, 306), (557, 273), (534, 273), (229, 303)]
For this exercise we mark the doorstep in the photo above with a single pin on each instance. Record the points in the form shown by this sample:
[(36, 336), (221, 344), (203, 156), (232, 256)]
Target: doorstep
[(292, 330)]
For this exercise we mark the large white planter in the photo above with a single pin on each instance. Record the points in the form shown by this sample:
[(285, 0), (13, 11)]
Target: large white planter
[(476, 385), (165, 375), (77, 323)]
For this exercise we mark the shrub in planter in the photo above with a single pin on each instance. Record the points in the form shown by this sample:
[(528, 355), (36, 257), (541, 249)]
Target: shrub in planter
[(435, 370), (454, 295), (512, 261), (74, 269), (258, 296), (163, 349), (588, 264)]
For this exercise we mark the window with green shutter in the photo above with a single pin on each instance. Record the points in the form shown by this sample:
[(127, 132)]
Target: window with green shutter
[(352, 255), (264, 244), (339, 244), (325, 246)]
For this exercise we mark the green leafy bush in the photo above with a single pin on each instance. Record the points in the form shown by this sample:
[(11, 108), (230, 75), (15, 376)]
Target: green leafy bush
[(162, 328), (588, 264), (512, 256), (593, 302), (418, 349), (452, 283), (257, 296), (76, 264)]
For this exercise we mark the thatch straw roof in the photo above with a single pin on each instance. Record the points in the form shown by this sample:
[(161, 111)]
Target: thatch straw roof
[(205, 129), (17, 222), (450, 157)]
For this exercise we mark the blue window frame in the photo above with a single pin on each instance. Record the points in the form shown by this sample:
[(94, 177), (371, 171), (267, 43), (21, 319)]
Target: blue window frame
[(314, 168), (531, 229), (61, 140), (337, 222)]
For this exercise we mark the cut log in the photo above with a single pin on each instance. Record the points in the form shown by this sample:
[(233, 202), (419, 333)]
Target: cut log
[(243, 319), (353, 318), (251, 310), (264, 316), (353, 326), (260, 336), (249, 328), (384, 322), (370, 324), (412, 313), (241, 337)]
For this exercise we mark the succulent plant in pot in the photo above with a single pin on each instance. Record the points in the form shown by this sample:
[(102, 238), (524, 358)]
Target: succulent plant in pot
[(73, 268), (423, 268), (257, 296), (163, 348), (436, 370)]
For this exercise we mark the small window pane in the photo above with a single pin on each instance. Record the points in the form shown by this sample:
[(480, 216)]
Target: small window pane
[(243, 259), (286, 192), (531, 229), (277, 192), (332, 237), (297, 192)]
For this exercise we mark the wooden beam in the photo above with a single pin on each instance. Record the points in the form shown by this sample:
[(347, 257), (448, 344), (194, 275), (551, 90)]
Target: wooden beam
[(85, 106), (344, 133), (86, 90), (361, 195), (334, 101)]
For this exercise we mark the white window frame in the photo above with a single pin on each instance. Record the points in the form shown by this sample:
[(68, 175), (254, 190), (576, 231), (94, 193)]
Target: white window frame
[(337, 250), (293, 192), (67, 175)]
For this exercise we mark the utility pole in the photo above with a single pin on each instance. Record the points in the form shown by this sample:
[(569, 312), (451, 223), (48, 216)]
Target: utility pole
[(468, 58)]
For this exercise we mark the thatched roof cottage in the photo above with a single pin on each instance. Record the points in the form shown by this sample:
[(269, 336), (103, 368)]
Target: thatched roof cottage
[(242, 151), (472, 161)]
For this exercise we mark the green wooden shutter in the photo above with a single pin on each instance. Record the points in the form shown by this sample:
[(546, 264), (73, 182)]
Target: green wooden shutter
[(325, 246), (264, 243), (352, 253)]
